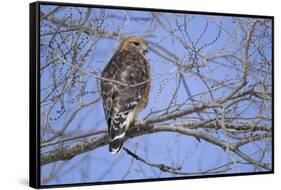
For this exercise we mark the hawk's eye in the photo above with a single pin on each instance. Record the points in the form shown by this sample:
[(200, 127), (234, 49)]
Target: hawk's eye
[(136, 43)]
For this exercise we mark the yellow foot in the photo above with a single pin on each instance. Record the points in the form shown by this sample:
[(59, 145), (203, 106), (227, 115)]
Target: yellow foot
[(137, 122)]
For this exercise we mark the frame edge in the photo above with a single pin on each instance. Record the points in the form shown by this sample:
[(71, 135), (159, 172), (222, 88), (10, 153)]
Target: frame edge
[(34, 170)]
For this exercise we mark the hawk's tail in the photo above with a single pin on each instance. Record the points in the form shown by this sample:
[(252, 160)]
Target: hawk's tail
[(117, 131), (115, 145)]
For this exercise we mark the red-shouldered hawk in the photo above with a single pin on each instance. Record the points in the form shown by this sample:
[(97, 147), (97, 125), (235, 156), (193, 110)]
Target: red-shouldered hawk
[(123, 101)]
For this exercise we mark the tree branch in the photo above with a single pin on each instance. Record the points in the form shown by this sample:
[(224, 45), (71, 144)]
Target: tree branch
[(174, 170), (139, 130)]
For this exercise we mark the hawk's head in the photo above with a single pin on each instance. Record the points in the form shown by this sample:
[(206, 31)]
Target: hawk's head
[(135, 43)]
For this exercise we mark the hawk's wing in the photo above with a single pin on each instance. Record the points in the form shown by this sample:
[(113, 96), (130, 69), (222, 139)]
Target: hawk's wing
[(121, 102)]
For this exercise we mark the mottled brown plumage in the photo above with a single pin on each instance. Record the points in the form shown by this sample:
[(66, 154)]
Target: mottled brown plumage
[(122, 102)]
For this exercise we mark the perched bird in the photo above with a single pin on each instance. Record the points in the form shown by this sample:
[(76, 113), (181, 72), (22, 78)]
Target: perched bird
[(125, 87)]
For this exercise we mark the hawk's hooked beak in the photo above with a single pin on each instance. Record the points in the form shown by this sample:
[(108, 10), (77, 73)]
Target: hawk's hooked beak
[(144, 48)]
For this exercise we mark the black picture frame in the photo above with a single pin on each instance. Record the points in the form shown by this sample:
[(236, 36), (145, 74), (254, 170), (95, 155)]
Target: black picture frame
[(34, 93)]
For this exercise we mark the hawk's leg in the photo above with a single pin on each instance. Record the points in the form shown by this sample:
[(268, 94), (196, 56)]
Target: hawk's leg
[(137, 123), (137, 127)]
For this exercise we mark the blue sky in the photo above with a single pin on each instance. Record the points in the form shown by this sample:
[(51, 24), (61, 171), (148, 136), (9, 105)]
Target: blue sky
[(168, 148)]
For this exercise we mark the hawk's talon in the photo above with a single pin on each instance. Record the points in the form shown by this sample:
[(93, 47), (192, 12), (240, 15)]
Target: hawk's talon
[(138, 123)]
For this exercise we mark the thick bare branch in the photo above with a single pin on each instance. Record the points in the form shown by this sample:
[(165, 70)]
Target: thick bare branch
[(139, 130)]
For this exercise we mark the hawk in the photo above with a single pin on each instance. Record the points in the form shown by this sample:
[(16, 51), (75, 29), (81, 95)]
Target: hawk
[(125, 88)]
